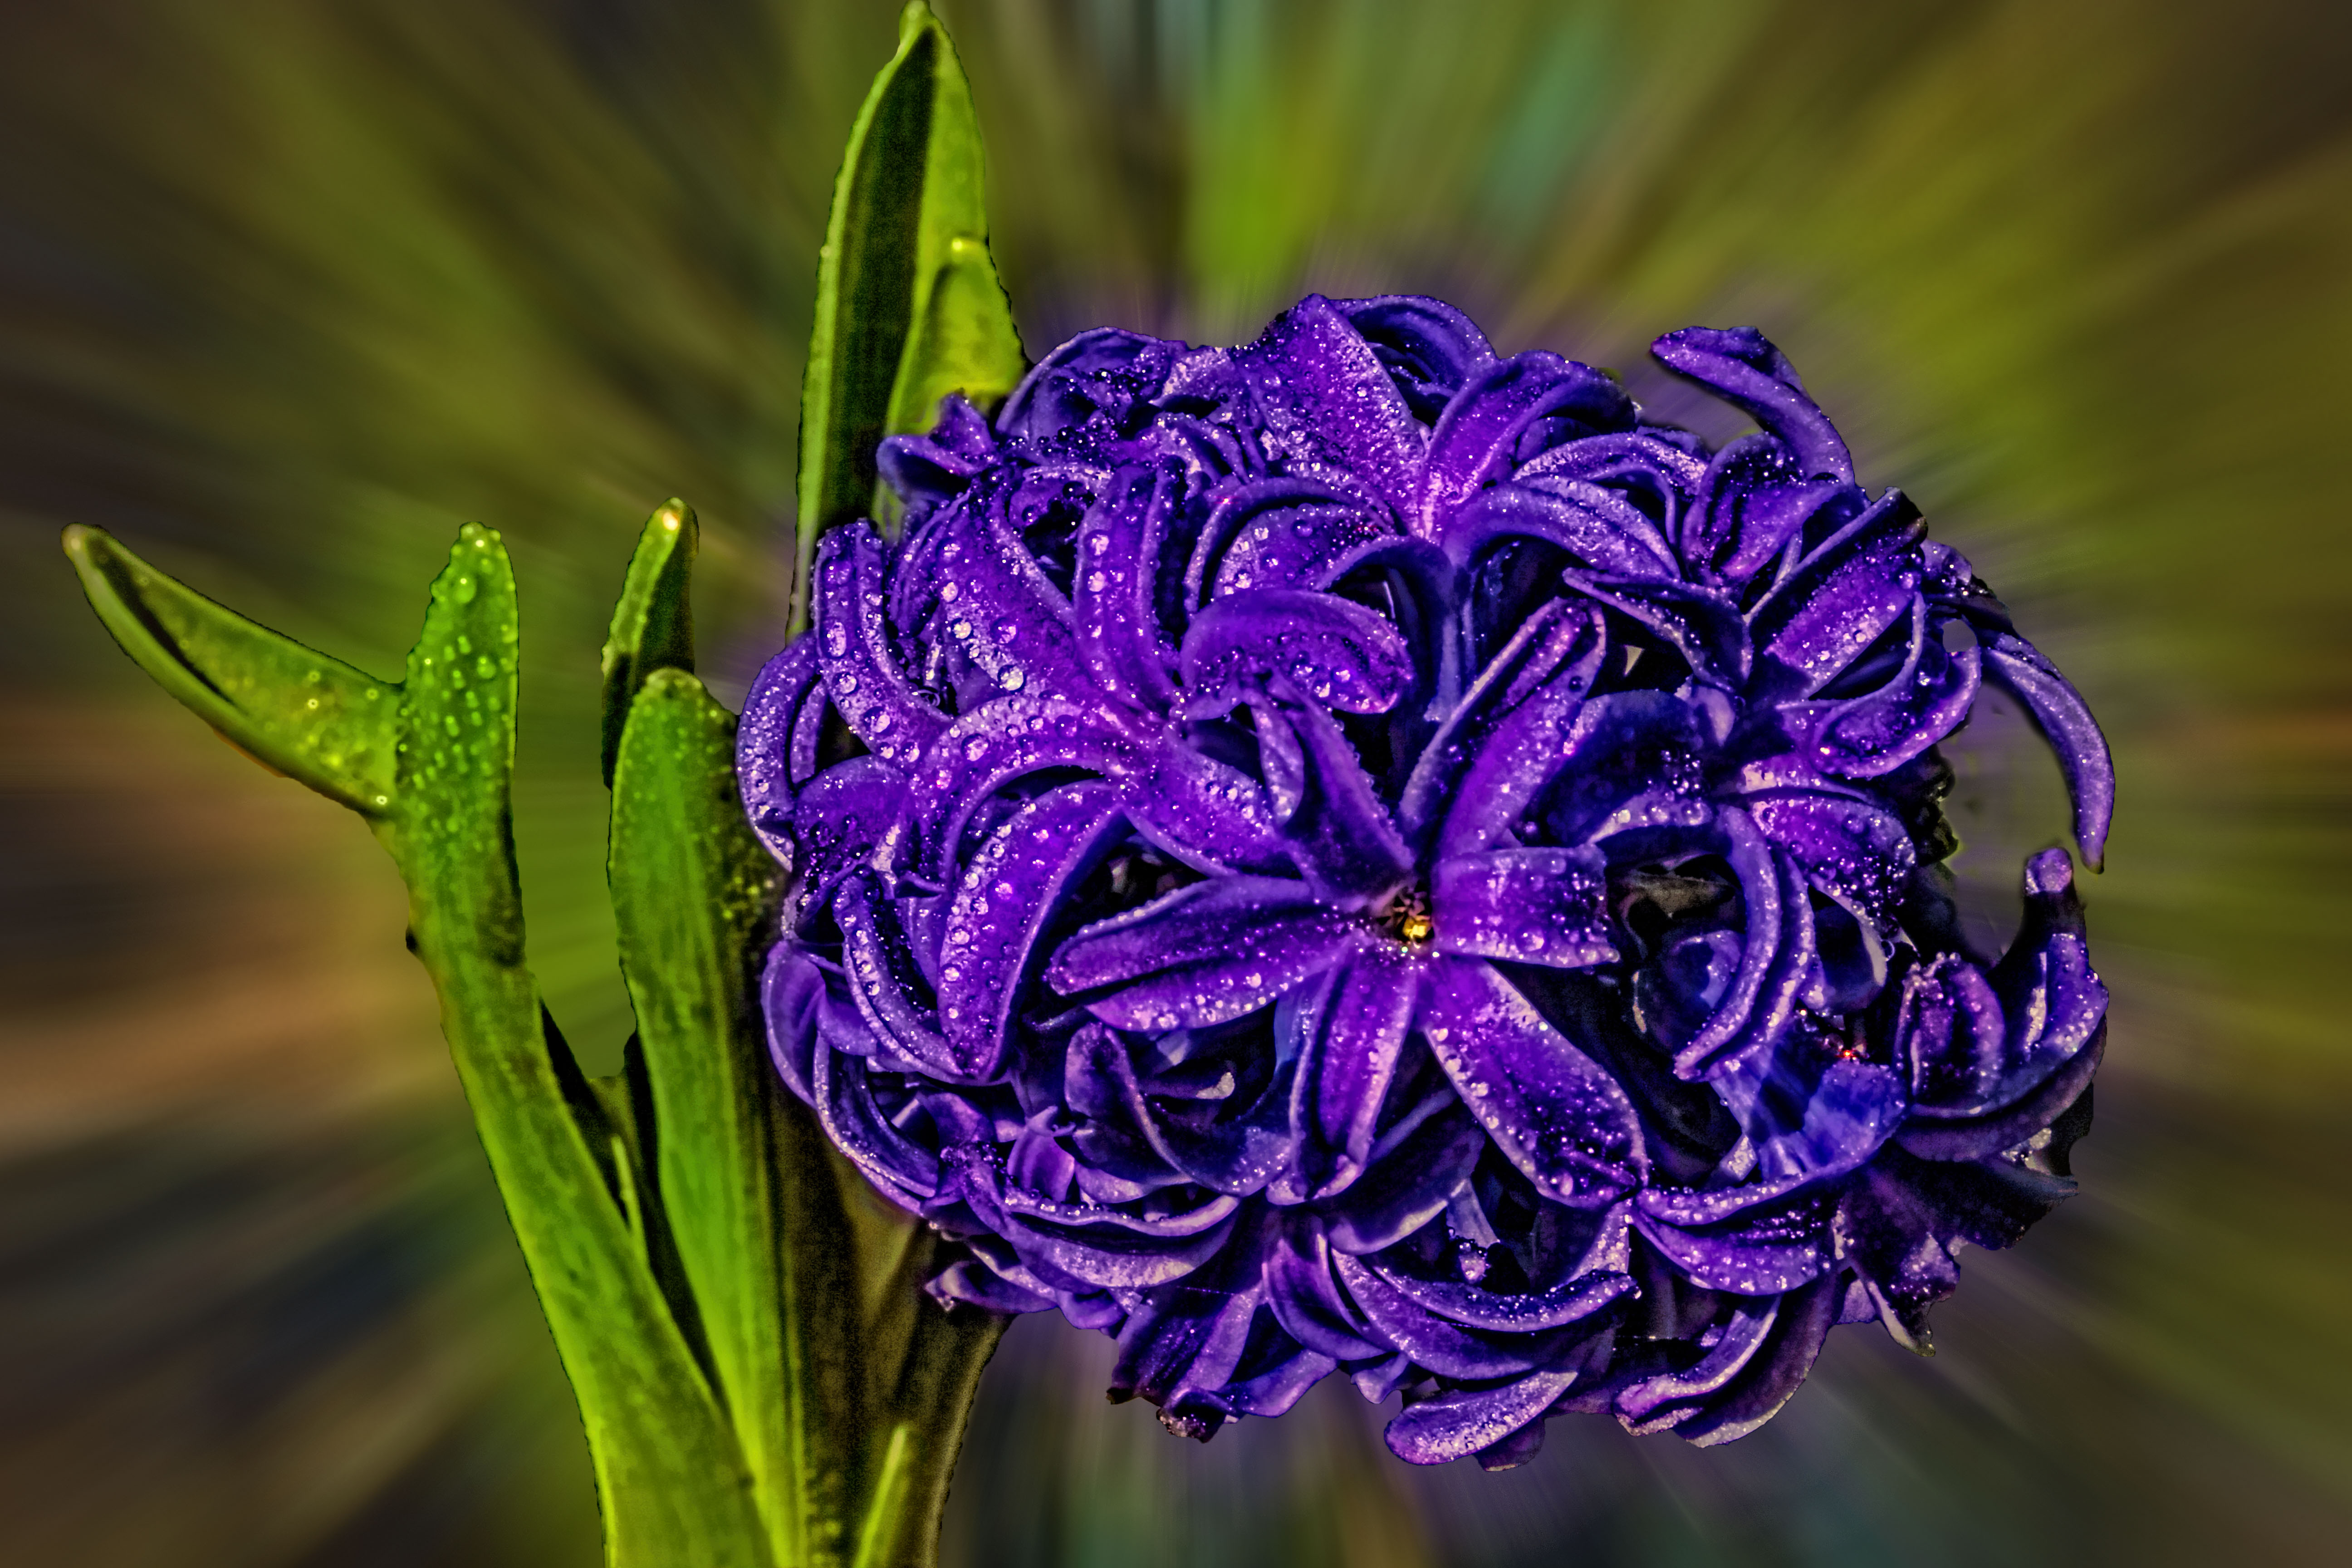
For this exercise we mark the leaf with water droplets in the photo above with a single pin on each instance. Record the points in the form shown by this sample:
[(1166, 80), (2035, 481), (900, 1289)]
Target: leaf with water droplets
[(312, 718)]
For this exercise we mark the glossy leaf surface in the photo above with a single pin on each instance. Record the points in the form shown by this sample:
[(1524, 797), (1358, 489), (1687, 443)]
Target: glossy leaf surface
[(908, 305)]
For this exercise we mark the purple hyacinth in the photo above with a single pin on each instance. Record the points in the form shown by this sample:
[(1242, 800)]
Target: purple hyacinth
[(1357, 854)]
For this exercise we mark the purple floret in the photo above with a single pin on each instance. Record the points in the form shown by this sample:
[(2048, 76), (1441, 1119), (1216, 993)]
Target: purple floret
[(1353, 854)]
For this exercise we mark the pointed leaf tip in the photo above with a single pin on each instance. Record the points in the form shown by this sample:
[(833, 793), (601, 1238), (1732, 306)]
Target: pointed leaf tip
[(880, 353), (652, 622), (294, 710)]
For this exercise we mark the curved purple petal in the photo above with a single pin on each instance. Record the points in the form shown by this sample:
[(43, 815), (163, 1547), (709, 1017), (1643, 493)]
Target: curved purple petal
[(1819, 619), (1458, 1425), (1740, 365), (1524, 906), (1758, 1251), (2018, 668), (1848, 846), (1011, 892), (1562, 1121), (1348, 1031), (1329, 404), (861, 674), (1476, 437), (1430, 348), (1115, 589), (1203, 954), (1596, 526), (1341, 654), (775, 743)]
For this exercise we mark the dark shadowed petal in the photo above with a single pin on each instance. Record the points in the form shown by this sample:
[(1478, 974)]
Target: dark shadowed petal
[(1430, 348), (1838, 1122), (843, 1098), (1560, 1119), (1743, 367), (844, 817), (1775, 956), (1475, 436), (1275, 533), (1510, 759), (1588, 1284), (1922, 703), (1347, 1031), (1335, 651), (792, 992), (1308, 1300), (1104, 372), (1435, 1341), (1115, 585), (1824, 614), (1011, 892), (1418, 1165), (1704, 625), (1205, 954), (1328, 403), (1980, 1137), (883, 978), (2049, 1005), (2018, 668), (929, 468), (1769, 1370), (1234, 1156), (1526, 906), (1084, 1244), (862, 673), (1594, 525), (1342, 836), (1750, 515)]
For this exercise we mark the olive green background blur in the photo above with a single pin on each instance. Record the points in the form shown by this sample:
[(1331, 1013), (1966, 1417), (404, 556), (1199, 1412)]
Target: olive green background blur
[(290, 288)]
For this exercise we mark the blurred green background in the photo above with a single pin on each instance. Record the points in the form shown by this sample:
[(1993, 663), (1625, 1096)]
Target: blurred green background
[(289, 289)]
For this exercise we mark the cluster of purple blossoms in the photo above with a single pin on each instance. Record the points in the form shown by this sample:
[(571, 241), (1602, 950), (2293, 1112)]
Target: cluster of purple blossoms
[(1357, 854)]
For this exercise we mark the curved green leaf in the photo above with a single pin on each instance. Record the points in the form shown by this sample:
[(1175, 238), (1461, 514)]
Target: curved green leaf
[(964, 341), (312, 718), (669, 1474), (652, 623), (879, 355), (695, 894)]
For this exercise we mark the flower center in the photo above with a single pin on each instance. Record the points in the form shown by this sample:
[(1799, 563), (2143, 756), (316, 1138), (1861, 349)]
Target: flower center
[(1406, 916)]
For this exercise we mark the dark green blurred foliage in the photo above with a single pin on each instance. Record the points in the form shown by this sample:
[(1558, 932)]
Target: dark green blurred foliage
[(289, 290)]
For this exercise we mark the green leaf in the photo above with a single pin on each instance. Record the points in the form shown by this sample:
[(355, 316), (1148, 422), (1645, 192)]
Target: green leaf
[(653, 624), (880, 356), (312, 718), (669, 1473), (924, 1368), (694, 894), (964, 341)]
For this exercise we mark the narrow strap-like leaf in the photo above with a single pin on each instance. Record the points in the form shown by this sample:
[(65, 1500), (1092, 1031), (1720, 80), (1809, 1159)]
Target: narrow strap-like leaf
[(909, 189), (694, 894), (669, 1473), (653, 624), (309, 717)]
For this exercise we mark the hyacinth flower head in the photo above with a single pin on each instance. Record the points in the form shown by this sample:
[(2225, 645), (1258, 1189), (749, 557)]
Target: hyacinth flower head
[(1361, 854)]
